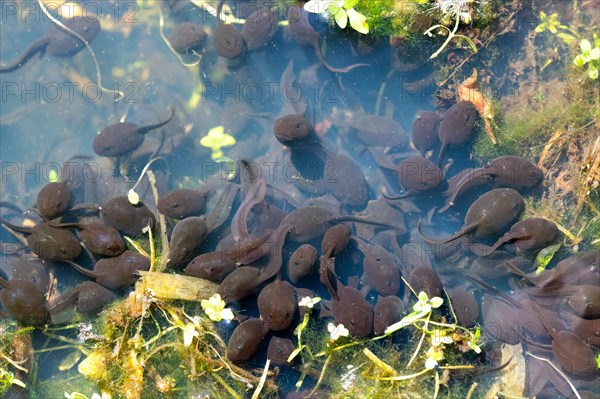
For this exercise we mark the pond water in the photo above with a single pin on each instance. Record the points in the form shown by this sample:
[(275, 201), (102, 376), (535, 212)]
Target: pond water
[(404, 178)]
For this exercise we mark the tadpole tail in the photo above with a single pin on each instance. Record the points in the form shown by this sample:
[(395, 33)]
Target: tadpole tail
[(406, 194), (442, 153), (334, 69), (453, 237), (500, 294), (82, 270), (324, 276), (487, 250), (146, 129), (32, 51), (14, 227), (461, 185)]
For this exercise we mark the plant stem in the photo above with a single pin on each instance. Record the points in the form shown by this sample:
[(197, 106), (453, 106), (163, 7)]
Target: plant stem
[(450, 37)]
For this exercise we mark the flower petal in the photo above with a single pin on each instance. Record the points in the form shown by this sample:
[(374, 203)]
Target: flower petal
[(585, 46), (227, 314)]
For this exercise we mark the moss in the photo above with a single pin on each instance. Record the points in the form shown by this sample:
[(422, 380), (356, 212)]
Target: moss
[(68, 382), (525, 132)]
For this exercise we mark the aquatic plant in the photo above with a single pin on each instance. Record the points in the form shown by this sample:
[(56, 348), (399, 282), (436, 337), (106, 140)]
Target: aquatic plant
[(453, 9), (53, 176), (7, 379), (79, 395), (342, 11), (338, 349), (544, 257), (552, 24), (215, 309), (308, 303), (589, 56), (216, 139)]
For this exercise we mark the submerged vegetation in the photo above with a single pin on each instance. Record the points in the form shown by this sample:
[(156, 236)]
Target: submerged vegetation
[(168, 338), (415, 21), (557, 122)]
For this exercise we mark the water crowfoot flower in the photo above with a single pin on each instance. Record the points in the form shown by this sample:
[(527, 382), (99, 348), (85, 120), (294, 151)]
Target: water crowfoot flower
[(215, 309), (337, 331), (309, 302)]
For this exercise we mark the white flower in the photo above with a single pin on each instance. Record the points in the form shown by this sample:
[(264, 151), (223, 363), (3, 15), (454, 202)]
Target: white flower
[(133, 197), (189, 332), (337, 331), (309, 302), (439, 337), (430, 363), (215, 309)]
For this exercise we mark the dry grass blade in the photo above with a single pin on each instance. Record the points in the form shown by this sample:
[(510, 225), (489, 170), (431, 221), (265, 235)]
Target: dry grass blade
[(169, 286)]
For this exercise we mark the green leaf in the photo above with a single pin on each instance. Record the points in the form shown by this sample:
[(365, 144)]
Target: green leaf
[(540, 28), (477, 335), (334, 8), (470, 43), (592, 72), (436, 302), (348, 4), (358, 21), (545, 256), (579, 60), (341, 18), (295, 353), (567, 38), (552, 28), (595, 53)]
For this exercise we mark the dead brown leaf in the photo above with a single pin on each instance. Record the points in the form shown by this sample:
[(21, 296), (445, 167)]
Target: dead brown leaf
[(469, 91)]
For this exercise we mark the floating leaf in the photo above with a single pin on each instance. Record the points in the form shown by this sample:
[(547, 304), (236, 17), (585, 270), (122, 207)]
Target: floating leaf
[(340, 16), (215, 139), (348, 4), (358, 21), (544, 257)]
